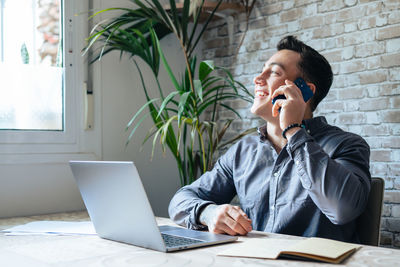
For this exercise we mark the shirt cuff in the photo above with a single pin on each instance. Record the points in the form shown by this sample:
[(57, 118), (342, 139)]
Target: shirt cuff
[(297, 140), (194, 222)]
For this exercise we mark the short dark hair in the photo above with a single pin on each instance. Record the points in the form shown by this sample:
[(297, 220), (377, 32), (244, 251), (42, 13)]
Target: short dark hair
[(313, 66)]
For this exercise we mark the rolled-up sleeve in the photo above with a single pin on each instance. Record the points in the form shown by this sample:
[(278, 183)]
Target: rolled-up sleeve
[(213, 187), (339, 184)]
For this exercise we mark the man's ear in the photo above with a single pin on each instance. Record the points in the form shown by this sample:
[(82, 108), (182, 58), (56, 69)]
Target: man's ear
[(312, 87)]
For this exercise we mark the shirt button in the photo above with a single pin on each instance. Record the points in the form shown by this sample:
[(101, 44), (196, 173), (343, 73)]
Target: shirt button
[(272, 207), (308, 131), (276, 174), (297, 162)]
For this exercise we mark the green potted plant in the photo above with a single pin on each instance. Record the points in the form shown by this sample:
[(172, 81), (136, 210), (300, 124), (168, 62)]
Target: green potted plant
[(180, 123)]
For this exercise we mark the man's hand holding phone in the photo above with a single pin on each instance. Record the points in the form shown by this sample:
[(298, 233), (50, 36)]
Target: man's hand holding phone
[(289, 102)]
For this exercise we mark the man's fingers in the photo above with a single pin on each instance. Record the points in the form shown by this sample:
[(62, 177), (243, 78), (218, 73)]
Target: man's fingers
[(231, 220), (235, 226), (245, 221), (222, 228), (275, 108), (279, 91), (240, 217), (289, 90)]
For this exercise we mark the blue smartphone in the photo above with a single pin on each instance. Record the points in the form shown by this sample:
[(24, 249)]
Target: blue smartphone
[(304, 88)]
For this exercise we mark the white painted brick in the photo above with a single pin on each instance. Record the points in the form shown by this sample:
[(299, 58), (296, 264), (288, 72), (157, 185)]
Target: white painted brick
[(394, 74), (386, 209), (389, 184), (390, 5), (381, 20), (372, 118), (374, 8), (369, 49), (330, 5), (373, 142), (394, 17), (374, 103), (396, 184), (353, 66), (330, 43), (350, 27), (393, 45), (293, 26), (395, 129), (310, 10), (335, 68), (350, 2), (288, 4), (378, 169), (317, 44), (374, 62), (352, 79), (347, 52), (395, 102), (273, 19), (357, 129), (370, 77), (376, 130), (351, 106), (392, 196), (395, 155)]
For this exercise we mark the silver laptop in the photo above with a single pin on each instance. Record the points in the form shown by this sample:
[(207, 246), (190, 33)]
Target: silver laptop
[(119, 209)]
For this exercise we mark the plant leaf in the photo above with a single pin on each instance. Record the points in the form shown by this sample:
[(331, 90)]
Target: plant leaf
[(166, 65), (205, 68), (182, 104), (139, 111), (166, 101), (199, 89)]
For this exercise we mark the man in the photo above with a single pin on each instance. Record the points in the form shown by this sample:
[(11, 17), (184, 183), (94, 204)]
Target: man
[(300, 176)]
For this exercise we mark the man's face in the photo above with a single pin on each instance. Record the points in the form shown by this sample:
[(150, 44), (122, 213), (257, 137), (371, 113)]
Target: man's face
[(280, 67)]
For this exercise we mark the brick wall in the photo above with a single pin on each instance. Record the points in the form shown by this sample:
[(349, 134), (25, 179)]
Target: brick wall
[(361, 40)]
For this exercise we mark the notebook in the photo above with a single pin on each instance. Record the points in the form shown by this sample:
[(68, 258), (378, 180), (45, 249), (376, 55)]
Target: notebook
[(120, 210), (314, 248)]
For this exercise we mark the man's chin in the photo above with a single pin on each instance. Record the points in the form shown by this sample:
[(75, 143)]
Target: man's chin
[(260, 111)]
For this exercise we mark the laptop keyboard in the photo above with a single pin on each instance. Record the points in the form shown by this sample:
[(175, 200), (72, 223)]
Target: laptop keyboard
[(177, 241)]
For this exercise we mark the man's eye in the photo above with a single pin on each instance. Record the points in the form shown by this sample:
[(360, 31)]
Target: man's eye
[(274, 72)]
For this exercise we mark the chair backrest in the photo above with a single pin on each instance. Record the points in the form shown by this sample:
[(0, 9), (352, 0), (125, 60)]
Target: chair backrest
[(368, 224)]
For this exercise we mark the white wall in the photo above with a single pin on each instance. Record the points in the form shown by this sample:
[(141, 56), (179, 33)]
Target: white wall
[(122, 95)]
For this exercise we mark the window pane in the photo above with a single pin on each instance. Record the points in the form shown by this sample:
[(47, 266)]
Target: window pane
[(31, 69)]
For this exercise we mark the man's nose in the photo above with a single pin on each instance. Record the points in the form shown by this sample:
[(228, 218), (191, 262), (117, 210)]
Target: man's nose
[(259, 79)]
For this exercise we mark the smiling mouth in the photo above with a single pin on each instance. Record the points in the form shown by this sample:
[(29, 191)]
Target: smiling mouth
[(261, 94)]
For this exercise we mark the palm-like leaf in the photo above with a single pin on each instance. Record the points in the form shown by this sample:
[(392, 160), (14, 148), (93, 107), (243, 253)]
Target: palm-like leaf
[(179, 117)]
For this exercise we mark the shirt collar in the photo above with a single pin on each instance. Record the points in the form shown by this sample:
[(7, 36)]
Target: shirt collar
[(312, 126)]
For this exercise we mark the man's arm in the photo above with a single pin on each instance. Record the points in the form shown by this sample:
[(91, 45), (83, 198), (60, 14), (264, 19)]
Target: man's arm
[(339, 184), (202, 204)]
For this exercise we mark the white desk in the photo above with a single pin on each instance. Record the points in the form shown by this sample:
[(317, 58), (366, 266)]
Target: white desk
[(38, 251)]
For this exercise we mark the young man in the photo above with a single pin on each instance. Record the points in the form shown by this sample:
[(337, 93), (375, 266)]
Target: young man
[(300, 176)]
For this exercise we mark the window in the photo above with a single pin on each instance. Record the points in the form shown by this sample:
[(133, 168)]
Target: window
[(42, 77), (31, 65)]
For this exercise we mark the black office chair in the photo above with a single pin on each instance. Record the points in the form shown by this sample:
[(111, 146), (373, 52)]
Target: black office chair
[(369, 223)]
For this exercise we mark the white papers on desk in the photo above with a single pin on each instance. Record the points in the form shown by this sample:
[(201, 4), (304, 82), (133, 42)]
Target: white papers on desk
[(52, 228)]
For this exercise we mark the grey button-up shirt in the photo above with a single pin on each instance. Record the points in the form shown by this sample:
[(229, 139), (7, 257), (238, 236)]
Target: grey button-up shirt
[(316, 186)]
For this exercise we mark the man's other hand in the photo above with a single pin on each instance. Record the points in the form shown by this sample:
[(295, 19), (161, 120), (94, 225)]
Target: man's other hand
[(226, 219)]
